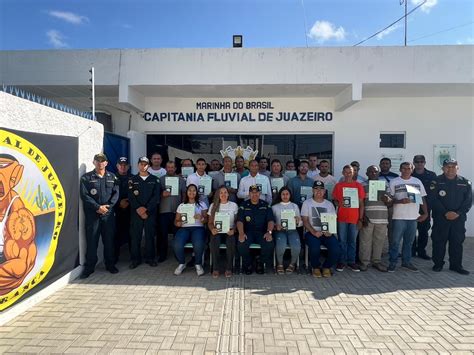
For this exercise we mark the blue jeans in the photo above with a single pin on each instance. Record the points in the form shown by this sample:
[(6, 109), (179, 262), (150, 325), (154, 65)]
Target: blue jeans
[(195, 235), (347, 233), (314, 246), (406, 230), (284, 238)]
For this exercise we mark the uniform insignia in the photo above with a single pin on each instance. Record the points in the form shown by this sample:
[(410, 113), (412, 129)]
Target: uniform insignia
[(136, 192), (432, 186), (442, 193), (248, 218), (93, 192)]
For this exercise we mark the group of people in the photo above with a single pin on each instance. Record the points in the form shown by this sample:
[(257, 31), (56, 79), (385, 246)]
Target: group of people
[(265, 207)]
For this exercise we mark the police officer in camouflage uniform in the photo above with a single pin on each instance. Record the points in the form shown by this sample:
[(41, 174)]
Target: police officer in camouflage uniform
[(451, 199), (144, 196), (99, 190)]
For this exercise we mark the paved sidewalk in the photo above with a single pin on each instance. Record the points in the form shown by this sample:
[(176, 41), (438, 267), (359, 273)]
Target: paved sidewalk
[(149, 310)]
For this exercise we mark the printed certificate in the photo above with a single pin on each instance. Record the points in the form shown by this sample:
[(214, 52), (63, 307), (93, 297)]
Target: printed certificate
[(186, 171), (205, 185), (222, 222), (329, 220), (187, 213), (350, 197), (377, 189), (277, 184), (230, 180), (261, 182), (172, 185), (288, 221)]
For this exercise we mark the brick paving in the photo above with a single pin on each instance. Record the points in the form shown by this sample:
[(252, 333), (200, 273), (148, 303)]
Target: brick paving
[(149, 310)]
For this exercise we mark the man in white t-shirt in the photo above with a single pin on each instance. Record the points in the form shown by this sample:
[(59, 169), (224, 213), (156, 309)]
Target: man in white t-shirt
[(315, 235), (408, 193), (195, 178), (251, 180), (155, 167)]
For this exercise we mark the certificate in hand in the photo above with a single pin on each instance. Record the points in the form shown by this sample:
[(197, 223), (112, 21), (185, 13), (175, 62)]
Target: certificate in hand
[(414, 194), (205, 185), (187, 213), (376, 189), (288, 221), (330, 220), (306, 193), (230, 180), (261, 182), (187, 170), (172, 185), (350, 197), (222, 222), (277, 184)]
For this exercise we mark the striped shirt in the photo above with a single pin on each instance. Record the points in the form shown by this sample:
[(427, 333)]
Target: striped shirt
[(376, 211)]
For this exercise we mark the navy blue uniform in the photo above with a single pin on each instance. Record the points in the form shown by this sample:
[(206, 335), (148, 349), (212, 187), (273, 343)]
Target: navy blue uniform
[(449, 195), (255, 219), (122, 216), (143, 193), (97, 191), (419, 244)]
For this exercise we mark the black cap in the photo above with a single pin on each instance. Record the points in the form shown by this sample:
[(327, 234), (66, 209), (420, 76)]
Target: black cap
[(144, 160), (253, 188), (450, 161), (318, 185), (122, 160), (100, 157)]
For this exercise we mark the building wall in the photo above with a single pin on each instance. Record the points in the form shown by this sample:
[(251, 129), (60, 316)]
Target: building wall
[(24, 115)]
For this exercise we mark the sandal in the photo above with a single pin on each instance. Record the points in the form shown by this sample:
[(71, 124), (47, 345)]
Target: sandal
[(280, 270), (228, 273), (290, 269), (215, 274)]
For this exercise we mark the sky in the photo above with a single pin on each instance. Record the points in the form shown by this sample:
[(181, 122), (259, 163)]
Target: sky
[(77, 24)]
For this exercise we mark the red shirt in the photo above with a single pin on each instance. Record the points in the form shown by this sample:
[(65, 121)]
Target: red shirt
[(346, 214)]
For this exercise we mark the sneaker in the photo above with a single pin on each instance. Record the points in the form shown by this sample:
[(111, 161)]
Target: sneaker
[(354, 267), (290, 269), (152, 263), (317, 273), (437, 268), (340, 267), (391, 268), (410, 267), (179, 269), (327, 272), (199, 270), (363, 267), (380, 267), (133, 265)]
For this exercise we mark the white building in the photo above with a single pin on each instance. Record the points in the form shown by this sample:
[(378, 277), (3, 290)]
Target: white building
[(338, 102)]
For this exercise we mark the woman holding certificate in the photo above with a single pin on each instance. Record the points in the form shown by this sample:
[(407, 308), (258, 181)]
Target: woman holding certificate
[(222, 213), (191, 216), (287, 218)]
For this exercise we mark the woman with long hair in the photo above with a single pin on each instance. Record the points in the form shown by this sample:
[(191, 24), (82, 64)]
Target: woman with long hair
[(190, 228), (284, 234), (224, 209)]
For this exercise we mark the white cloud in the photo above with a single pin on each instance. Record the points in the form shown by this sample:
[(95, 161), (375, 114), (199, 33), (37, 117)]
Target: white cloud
[(324, 30), (56, 39), (427, 6), (468, 40), (69, 17), (388, 31)]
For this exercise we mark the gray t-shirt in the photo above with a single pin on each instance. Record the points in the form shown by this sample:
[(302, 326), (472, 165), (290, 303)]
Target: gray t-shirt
[(284, 206), (170, 204)]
